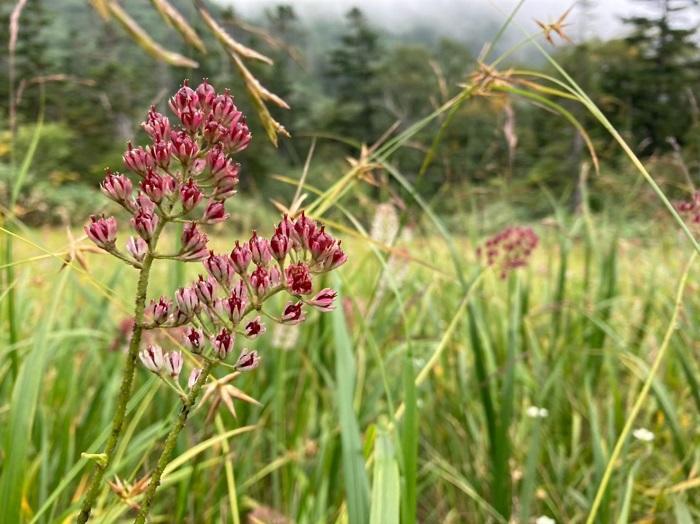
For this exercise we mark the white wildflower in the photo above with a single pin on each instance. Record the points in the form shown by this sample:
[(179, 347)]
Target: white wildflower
[(643, 434), (537, 412)]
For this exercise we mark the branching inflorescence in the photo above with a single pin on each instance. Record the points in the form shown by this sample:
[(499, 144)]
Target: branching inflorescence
[(509, 249), (186, 175)]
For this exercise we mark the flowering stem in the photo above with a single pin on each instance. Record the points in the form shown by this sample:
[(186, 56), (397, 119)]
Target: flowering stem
[(124, 392), (170, 442)]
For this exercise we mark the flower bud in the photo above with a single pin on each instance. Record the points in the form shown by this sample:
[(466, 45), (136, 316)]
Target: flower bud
[(260, 281), (205, 94), (190, 195), (187, 301), (234, 305), (223, 343), (184, 101), (183, 147), (226, 182), (247, 361), (215, 212), (137, 248), (275, 276), (194, 377), (219, 267), (298, 279), (205, 290), (293, 313), (238, 137), (192, 120), (194, 243), (154, 185), (194, 339), (304, 229), (102, 231), (173, 363), (157, 126), (280, 245), (117, 187), (321, 245), (285, 227), (259, 250), (152, 358), (223, 110), (324, 300), (217, 161), (160, 310), (254, 328), (213, 131), (137, 159), (240, 257), (160, 151), (145, 223)]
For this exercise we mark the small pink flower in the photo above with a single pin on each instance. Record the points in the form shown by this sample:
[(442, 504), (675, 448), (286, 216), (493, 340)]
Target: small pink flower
[(205, 290), (194, 339), (160, 310), (275, 276), (280, 245), (190, 195), (285, 227), (173, 363), (137, 159), (157, 126), (226, 182), (215, 212), (194, 377), (234, 305), (213, 131), (241, 257), (102, 231), (238, 137), (205, 94), (152, 358), (293, 313), (156, 186), (298, 279), (217, 161), (224, 111), (184, 101), (324, 300), (183, 147), (144, 223), (260, 281), (302, 232), (137, 248), (194, 243), (117, 187), (321, 245), (247, 361), (187, 301), (219, 267), (254, 328), (223, 343), (160, 151), (192, 120), (259, 250)]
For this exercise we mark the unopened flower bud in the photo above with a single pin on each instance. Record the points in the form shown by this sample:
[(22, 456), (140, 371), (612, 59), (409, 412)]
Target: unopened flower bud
[(137, 248), (184, 101), (223, 110), (102, 231), (145, 223), (275, 276), (304, 229), (194, 243), (160, 151), (173, 363), (219, 267), (183, 147), (152, 358), (205, 288), (206, 94), (217, 161), (324, 300), (259, 249), (214, 212), (194, 339), (192, 120), (223, 343), (194, 377), (254, 328), (226, 182), (157, 126), (155, 186), (187, 301), (190, 195), (260, 281), (238, 137), (247, 361), (293, 313), (137, 159), (117, 187), (240, 257), (280, 245), (160, 310)]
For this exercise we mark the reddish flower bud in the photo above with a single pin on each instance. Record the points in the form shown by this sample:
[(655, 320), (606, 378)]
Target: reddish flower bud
[(298, 279), (304, 229), (240, 257), (184, 101), (247, 361), (254, 328), (293, 313), (224, 111), (187, 301), (336, 259), (214, 212), (180, 317), (275, 276), (156, 186), (213, 131), (194, 377), (233, 306), (160, 151), (102, 231), (286, 226), (137, 248), (259, 249), (160, 310), (219, 267), (280, 245), (117, 187), (173, 364), (194, 339), (192, 120), (223, 343), (190, 195), (205, 289), (324, 300), (260, 281), (137, 159), (238, 137), (226, 182), (321, 245), (183, 147), (144, 223), (206, 94), (217, 161), (152, 358), (157, 126), (194, 243)]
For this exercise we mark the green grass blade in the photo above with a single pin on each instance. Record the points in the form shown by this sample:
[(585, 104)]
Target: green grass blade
[(385, 482)]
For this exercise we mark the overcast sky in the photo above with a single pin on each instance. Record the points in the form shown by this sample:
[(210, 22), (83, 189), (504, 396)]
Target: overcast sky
[(455, 17)]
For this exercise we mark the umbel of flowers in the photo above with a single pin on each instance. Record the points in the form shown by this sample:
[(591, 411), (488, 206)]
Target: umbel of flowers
[(509, 249), (185, 175)]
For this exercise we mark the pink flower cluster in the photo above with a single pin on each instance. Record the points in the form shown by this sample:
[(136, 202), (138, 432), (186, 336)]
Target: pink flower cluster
[(509, 249), (690, 210), (185, 173)]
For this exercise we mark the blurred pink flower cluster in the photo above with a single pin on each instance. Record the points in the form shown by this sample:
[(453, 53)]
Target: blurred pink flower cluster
[(509, 249)]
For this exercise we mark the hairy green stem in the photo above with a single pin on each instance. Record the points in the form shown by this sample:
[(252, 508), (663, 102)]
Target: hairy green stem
[(170, 442), (124, 392)]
